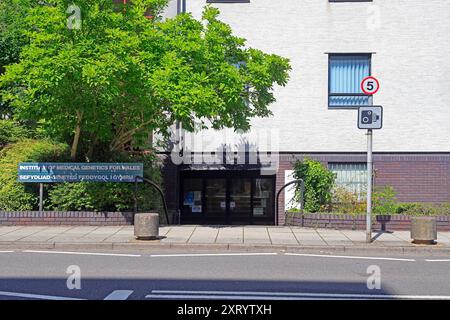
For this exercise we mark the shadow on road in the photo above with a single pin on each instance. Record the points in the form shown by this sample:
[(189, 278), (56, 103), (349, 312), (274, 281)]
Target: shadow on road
[(98, 289)]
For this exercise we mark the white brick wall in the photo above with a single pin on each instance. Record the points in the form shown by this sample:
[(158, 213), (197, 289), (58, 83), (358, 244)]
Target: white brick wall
[(412, 61), (171, 10)]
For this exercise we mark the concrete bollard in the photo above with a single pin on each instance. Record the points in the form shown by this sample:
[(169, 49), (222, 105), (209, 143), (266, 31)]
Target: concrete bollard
[(423, 230), (146, 226)]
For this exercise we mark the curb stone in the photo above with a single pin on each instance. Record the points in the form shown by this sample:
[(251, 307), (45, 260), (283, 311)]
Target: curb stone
[(141, 245)]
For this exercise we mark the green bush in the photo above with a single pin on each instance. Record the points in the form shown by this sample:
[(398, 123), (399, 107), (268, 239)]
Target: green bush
[(385, 201), (15, 196), (346, 202), (20, 196), (11, 132), (423, 209), (70, 197), (319, 182), (108, 196)]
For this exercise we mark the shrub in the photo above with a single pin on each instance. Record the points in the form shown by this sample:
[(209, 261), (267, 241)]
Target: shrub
[(20, 196), (70, 197), (385, 201), (108, 196), (319, 182), (11, 132), (346, 202), (424, 209)]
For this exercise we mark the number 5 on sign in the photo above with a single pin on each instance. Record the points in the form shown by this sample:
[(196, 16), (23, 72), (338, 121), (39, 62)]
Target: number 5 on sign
[(370, 85)]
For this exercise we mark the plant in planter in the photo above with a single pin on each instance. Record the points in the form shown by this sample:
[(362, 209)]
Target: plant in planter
[(385, 201)]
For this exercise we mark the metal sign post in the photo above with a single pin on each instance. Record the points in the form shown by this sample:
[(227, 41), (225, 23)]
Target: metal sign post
[(41, 197), (370, 117), (369, 187)]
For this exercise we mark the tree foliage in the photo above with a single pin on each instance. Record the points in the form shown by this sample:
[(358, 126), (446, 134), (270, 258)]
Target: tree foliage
[(12, 38), (12, 25), (11, 132), (121, 76)]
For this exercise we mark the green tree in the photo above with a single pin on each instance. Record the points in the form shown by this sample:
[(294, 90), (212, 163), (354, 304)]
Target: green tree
[(12, 25), (12, 38), (120, 76)]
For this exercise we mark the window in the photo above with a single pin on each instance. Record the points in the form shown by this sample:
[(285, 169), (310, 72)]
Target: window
[(351, 176), (345, 72)]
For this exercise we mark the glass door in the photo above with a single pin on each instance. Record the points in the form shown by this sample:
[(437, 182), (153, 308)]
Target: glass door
[(227, 198), (216, 200), (263, 200), (240, 204)]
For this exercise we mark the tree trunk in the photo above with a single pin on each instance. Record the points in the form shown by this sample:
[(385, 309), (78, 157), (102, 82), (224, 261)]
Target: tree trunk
[(76, 137), (93, 143)]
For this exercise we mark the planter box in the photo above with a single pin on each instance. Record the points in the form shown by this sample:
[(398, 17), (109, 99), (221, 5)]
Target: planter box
[(358, 222)]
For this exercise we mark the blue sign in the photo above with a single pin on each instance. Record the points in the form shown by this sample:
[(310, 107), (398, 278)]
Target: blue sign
[(189, 199), (76, 172)]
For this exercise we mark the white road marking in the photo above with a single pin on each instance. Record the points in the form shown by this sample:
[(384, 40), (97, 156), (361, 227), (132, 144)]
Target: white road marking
[(119, 295), (437, 260), (214, 254), (84, 253), (348, 257), (6, 251), (170, 294), (35, 296)]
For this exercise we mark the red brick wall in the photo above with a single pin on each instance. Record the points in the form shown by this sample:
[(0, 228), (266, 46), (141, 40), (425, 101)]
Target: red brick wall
[(348, 222), (415, 177), (53, 218)]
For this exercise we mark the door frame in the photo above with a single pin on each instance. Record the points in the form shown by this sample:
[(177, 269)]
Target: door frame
[(228, 175)]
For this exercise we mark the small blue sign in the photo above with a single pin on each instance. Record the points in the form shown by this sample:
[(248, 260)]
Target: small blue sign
[(189, 199), (47, 172)]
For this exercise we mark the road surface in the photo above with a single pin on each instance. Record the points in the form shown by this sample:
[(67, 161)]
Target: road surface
[(99, 275)]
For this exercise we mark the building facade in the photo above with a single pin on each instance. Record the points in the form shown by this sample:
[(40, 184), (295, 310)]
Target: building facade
[(224, 177)]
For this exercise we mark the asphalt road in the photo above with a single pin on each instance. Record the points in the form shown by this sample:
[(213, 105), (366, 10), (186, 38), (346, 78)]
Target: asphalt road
[(200, 275)]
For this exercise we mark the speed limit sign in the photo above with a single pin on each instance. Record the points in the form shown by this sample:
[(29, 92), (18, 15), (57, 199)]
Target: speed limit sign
[(370, 85)]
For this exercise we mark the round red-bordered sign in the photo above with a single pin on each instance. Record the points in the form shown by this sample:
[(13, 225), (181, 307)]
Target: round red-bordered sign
[(370, 85)]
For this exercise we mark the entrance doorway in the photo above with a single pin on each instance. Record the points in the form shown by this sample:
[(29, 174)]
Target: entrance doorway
[(230, 197)]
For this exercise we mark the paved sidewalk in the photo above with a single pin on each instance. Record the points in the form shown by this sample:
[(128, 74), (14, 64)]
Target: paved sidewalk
[(209, 237)]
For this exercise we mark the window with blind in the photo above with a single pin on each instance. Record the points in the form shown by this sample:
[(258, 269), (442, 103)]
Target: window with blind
[(351, 176), (346, 71)]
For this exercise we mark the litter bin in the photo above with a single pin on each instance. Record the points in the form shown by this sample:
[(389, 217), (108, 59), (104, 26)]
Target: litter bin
[(423, 230), (146, 226)]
